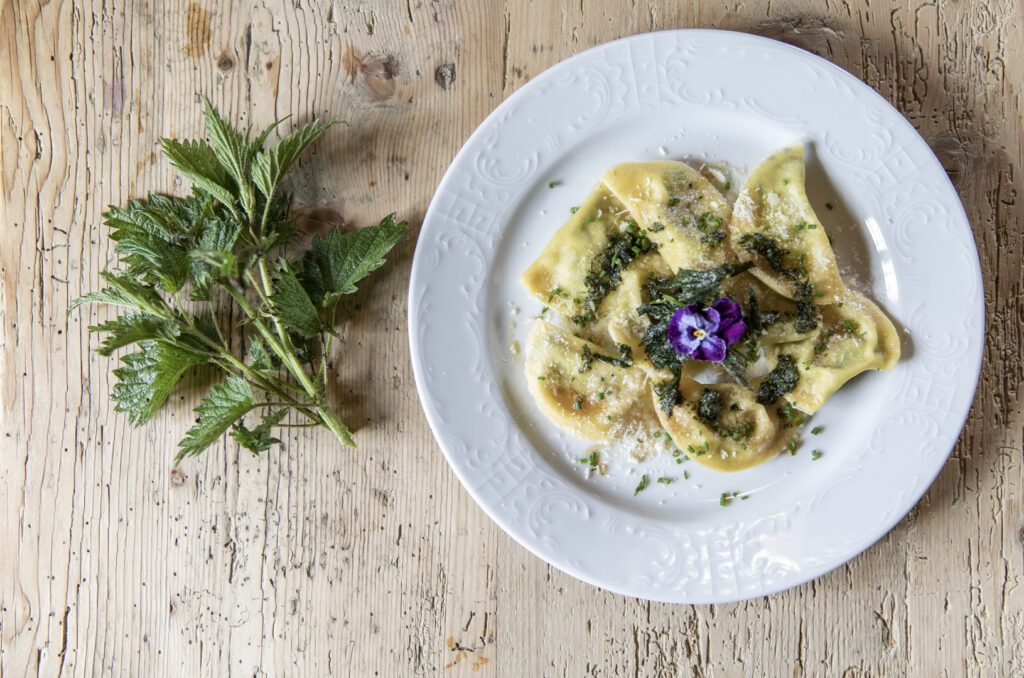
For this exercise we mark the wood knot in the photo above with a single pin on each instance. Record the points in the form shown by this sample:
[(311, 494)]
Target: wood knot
[(177, 478), (225, 63), (444, 75), (377, 73)]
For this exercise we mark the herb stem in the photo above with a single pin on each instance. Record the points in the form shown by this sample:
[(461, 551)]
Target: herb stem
[(282, 346)]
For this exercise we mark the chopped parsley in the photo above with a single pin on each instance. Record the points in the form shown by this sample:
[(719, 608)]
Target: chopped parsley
[(789, 415), (739, 432), (672, 202), (641, 486), (664, 480), (574, 210), (710, 225), (553, 184), (816, 455), (816, 430), (791, 447), (698, 451), (727, 498), (577, 404)]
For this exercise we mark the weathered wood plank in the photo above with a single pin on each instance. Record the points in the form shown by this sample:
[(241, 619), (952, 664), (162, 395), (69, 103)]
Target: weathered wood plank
[(314, 561)]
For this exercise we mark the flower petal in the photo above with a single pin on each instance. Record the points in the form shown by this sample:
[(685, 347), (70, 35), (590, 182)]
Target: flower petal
[(680, 332), (711, 349), (712, 320), (734, 332), (728, 310)]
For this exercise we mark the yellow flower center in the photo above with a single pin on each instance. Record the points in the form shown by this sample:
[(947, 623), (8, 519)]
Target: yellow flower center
[(699, 334)]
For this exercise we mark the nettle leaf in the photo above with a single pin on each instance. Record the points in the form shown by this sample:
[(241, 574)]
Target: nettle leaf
[(154, 259), (259, 358), (259, 439), (225, 404), (198, 162), (125, 291), (136, 217), (216, 237), (334, 264), (292, 304), (272, 164), (132, 328), (146, 378), (235, 153)]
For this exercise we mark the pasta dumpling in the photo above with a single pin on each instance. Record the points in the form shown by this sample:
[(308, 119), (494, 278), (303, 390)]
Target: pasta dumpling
[(723, 427), (577, 388), (855, 336), (681, 210), (775, 227), (558, 276)]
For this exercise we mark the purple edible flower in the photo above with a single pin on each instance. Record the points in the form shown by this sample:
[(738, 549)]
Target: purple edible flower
[(705, 332)]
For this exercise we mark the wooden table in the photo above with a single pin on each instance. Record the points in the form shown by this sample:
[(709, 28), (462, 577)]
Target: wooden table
[(314, 560)]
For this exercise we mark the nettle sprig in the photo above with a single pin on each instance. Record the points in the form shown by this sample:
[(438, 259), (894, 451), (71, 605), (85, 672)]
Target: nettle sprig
[(227, 244)]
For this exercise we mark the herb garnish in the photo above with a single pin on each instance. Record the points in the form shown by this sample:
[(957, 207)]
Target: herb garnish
[(226, 241), (709, 407), (769, 250), (727, 498), (641, 486), (667, 295), (789, 415), (710, 226), (668, 393), (739, 432), (587, 357), (665, 480), (816, 430), (606, 268), (816, 455), (779, 381)]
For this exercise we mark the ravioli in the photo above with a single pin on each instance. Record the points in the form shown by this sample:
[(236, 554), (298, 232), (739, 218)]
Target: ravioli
[(775, 226), (682, 211), (854, 336), (597, 401), (558, 276), (652, 219), (745, 434)]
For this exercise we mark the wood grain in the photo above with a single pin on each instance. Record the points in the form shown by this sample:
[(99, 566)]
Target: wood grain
[(317, 561)]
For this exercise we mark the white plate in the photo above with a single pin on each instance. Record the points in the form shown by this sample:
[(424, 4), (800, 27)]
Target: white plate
[(900, 233)]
